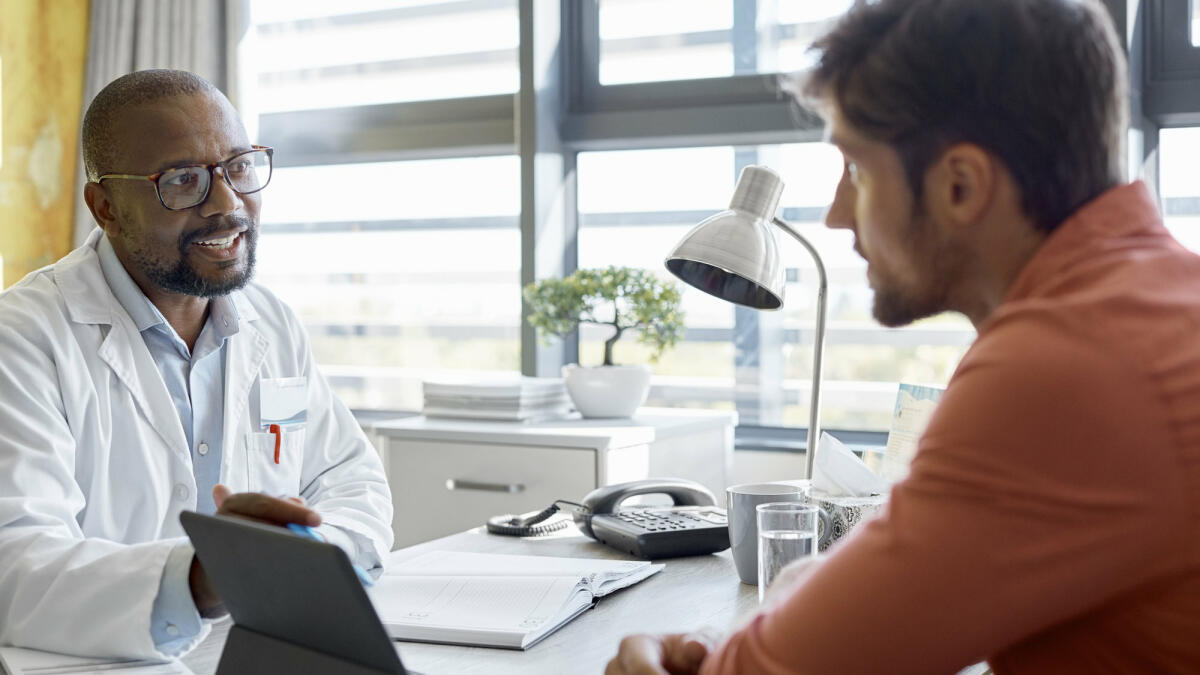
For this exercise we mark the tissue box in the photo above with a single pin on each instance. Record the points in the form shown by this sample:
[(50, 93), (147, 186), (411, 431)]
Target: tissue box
[(844, 513)]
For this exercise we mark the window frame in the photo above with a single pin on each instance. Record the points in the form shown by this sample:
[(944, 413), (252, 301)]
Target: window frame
[(561, 109), (1170, 64)]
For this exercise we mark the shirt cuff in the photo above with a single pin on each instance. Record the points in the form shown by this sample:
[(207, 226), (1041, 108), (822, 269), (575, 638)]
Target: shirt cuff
[(174, 622), (357, 547), (338, 537)]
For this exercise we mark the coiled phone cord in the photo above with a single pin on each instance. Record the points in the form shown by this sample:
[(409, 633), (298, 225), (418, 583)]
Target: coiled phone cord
[(533, 524)]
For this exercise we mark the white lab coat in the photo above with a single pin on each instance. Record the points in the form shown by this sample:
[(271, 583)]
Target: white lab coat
[(95, 467)]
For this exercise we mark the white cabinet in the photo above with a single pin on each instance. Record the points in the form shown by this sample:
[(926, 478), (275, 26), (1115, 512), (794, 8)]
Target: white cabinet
[(448, 475)]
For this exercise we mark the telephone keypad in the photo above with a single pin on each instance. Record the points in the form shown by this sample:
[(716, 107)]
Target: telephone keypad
[(666, 520), (664, 531)]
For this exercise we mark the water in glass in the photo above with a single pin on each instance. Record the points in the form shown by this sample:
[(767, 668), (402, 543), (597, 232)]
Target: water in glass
[(777, 548)]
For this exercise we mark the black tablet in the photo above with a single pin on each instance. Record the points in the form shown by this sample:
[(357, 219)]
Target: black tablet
[(283, 588)]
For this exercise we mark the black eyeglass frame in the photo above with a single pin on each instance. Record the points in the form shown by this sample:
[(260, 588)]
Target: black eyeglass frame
[(153, 178)]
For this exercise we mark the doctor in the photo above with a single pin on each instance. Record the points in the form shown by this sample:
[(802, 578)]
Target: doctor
[(144, 374)]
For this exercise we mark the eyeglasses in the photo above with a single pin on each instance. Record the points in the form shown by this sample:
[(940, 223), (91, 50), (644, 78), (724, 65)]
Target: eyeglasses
[(183, 187)]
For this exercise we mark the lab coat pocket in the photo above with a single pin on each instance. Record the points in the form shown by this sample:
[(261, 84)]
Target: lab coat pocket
[(275, 473)]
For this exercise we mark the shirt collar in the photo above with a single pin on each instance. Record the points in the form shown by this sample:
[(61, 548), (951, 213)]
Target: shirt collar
[(137, 305), (222, 310), (1122, 217)]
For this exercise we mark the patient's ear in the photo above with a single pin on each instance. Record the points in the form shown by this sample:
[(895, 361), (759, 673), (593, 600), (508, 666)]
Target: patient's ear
[(960, 185), (99, 202)]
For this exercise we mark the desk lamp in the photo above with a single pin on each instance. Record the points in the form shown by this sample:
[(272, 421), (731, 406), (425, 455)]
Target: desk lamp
[(733, 256)]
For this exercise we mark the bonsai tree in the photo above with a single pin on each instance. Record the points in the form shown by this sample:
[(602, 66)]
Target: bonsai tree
[(622, 297)]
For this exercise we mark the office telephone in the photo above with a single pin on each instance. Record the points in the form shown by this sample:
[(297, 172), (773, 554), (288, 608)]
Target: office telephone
[(693, 525)]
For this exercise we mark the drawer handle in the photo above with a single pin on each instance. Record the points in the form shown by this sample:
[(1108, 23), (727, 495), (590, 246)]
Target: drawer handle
[(459, 484)]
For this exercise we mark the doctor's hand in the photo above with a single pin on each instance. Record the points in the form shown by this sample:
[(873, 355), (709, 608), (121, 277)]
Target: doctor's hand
[(264, 508), (675, 654), (251, 506)]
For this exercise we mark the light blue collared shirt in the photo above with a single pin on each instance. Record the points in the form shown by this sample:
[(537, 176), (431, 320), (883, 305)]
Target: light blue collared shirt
[(195, 380)]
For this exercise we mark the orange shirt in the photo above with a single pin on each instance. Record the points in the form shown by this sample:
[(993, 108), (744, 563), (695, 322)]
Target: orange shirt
[(1051, 519)]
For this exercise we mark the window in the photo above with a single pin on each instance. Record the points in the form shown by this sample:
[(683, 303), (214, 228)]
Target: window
[(399, 269), (1195, 24), (315, 54), (758, 363), (1178, 188), (394, 222), (657, 40)]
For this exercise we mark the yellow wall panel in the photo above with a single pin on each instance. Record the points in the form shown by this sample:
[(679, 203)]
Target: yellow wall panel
[(43, 48)]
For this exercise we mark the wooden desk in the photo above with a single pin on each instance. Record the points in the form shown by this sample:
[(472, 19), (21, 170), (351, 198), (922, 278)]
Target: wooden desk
[(689, 593)]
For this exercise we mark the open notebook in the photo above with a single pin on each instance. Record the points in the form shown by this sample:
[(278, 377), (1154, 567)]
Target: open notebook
[(494, 600)]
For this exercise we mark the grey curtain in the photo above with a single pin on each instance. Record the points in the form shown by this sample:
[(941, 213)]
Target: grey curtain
[(201, 36)]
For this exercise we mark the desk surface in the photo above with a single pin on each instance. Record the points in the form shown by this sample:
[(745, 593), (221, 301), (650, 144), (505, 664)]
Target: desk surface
[(689, 593)]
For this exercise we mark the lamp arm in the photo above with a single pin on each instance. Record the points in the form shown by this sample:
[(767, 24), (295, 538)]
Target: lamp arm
[(814, 410)]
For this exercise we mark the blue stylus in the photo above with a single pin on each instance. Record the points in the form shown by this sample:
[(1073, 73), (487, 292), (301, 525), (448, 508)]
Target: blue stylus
[(309, 533)]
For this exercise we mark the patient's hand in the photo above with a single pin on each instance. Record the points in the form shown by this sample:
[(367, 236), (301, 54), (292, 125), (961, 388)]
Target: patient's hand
[(676, 654), (251, 506), (683, 653)]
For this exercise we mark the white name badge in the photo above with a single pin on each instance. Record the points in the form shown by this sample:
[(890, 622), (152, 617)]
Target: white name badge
[(283, 401)]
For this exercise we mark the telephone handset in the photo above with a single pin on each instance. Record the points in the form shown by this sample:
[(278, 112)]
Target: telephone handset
[(693, 525), (608, 499)]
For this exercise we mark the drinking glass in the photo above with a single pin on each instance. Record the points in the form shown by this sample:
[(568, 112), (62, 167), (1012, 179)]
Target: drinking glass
[(787, 531)]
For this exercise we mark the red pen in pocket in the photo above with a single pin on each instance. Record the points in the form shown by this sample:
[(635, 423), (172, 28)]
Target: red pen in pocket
[(278, 439)]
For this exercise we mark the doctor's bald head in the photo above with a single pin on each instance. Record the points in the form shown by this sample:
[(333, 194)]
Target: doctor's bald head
[(101, 142)]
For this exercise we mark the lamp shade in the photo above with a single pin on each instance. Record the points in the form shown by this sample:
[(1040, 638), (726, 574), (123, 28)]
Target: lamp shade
[(733, 255)]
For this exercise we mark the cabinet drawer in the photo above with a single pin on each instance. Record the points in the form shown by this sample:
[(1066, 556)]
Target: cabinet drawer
[(439, 488)]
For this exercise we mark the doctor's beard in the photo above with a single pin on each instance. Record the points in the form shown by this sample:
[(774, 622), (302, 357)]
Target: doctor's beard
[(182, 277)]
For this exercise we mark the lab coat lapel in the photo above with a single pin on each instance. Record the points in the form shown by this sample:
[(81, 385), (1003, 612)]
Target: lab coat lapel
[(124, 351), (247, 350), (89, 300)]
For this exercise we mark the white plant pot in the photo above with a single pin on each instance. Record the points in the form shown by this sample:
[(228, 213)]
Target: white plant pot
[(607, 391)]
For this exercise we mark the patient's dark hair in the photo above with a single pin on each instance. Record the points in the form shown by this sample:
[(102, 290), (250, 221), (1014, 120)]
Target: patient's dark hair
[(144, 86), (1041, 84)]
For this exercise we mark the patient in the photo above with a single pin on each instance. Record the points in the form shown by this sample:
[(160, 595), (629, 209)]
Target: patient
[(1051, 520), (145, 374)]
